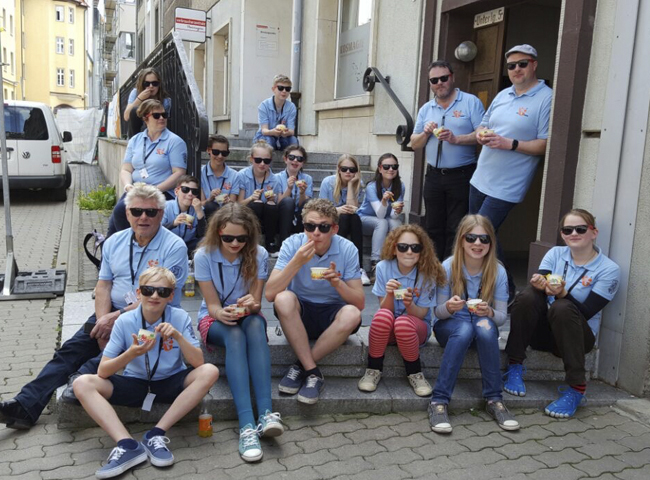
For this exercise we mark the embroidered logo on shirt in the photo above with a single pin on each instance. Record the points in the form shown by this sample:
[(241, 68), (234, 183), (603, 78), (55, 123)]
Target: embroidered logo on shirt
[(160, 151), (586, 281), (168, 344), (613, 287), (522, 112), (152, 263), (176, 270), (458, 113), (226, 186)]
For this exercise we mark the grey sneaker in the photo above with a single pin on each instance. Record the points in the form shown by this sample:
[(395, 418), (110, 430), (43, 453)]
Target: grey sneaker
[(500, 413), (421, 387), (438, 418)]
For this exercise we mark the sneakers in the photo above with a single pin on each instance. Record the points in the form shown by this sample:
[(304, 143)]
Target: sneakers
[(292, 381), (513, 381), (311, 389), (370, 380), (68, 395), (567, 404), (500, 413), (270, 424), (364, 278), (120, 460), (373, 268), (13, 415), (273, 250), (157, 451), (421, 387), (250, 449), (438, 418), (275, 254)]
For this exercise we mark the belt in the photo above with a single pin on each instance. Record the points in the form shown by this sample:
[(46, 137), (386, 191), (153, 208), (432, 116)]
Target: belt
[(448, 171)]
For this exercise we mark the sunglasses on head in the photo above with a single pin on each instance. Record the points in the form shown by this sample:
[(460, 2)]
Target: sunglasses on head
[(150, 212), (471, 238), (155, 83), (232, 238), (282, 88), (195, 191), (415, 247), (157, 115), (296, 158), (349, 169), (163, 292), (442, 79), (520, 64), (388, 166), (267, 161), (223, 153), (323, 227), (579, 229)]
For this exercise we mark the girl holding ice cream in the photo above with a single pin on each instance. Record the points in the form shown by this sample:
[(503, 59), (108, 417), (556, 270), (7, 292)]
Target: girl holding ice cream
[(471, 307), (406, 283)]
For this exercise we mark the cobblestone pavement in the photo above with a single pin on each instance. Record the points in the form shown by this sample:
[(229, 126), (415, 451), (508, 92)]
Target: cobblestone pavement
[(605, 443)]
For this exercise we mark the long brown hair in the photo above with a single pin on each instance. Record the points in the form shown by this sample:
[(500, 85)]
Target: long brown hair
[(396, 184), (239, 215), (490, 263), (429, 267), (162, 94), (337, 184)]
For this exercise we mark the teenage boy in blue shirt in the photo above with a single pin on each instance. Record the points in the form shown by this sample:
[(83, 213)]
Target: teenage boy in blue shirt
[(277, 116), (184, 216), (327, 310), (153, 371)]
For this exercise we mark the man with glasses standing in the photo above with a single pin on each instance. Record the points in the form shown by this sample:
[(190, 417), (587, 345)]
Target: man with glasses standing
[(125, 255), (317, 293), (513, 133), (277, 116), (445, 127)]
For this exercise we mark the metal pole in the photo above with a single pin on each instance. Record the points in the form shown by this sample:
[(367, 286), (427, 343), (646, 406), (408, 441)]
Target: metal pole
[(296, 41)]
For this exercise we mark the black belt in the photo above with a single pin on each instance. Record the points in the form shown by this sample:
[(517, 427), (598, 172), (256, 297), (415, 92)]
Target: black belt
[(448, 171)]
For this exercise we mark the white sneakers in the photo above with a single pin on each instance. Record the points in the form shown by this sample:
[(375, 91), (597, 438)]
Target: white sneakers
[(370, 380)]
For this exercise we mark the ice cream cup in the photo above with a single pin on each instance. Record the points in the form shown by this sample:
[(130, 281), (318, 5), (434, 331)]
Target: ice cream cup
[(220, 198), (189, 219), (239, 311), (438, 131), (486, 131), (396, 205), (269, 193), (399, 294), (300, 183), (317, 273), (554, 279), (145, 335), (472, 304)]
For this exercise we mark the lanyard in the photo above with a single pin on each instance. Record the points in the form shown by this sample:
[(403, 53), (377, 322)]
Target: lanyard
[(207, 179), (223, 288), (294, 193), (415, 284), (255, 182), (144, 157), (133, 273), (566, 268), (440, 145), (151, 373), (182, 228)]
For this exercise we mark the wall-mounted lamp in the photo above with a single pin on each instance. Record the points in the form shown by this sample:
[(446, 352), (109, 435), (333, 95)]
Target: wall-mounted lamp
[(466, 51)]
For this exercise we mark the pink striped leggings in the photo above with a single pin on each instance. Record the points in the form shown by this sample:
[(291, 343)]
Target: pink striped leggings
[(408, 331)]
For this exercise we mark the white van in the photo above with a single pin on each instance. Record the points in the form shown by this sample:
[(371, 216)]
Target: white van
[(35, 150)]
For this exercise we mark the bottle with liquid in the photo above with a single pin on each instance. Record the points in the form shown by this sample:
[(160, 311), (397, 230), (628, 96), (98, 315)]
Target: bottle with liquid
[(205, 419), (188, 288)]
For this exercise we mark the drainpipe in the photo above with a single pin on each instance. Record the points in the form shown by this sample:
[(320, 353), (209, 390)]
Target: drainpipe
[(296, 39)]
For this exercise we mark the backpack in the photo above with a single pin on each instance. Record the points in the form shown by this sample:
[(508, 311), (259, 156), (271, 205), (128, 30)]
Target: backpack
[(95, 256)]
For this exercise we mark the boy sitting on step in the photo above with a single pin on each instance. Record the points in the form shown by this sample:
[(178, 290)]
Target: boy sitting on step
[(149, 343)]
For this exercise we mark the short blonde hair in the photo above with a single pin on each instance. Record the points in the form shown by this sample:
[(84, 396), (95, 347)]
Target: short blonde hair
[(262, 145), (157, 273), (144, 191), (323, 207), (149, 106), (281, 79)]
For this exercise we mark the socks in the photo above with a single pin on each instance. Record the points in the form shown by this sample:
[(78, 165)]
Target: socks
[(314, 371), (412, 367), (580, 388), (376, 363), (155, 432), (127, 444)]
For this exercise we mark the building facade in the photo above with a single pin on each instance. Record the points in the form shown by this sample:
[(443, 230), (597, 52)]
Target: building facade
[(11, 53)]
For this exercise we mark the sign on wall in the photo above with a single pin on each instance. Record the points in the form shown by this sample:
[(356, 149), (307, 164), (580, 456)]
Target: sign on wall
[(488, 18), (267, 41), (352, 61), (190, 24)]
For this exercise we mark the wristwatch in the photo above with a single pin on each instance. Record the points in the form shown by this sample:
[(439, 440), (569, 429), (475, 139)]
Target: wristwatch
[(515, 144)]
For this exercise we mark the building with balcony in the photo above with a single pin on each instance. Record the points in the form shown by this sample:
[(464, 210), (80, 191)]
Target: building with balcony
[(118, 51)]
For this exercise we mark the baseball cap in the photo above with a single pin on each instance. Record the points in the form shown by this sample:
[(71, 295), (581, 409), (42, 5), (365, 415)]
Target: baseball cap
[(525, 48)]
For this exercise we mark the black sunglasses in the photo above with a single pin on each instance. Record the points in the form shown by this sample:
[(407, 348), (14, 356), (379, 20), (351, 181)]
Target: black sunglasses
[(388, 166), (323, 227), (471, 238), (155, 83), (415, 247), (296, 158), (443, 79), (195, 191), (580, 229), (349, 169), (232, 238), (223, 153), (282, 88), (150, 212), (260, 160), (163, 292), (520, 64), (157, 115)]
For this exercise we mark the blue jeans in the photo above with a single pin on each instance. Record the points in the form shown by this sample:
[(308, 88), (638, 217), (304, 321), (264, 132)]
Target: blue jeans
[(247, 356), (456, 335), (378, 228), (279, 143)]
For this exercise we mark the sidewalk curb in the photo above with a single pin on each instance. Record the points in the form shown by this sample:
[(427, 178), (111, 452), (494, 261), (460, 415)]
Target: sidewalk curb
[(73, 253), (638, 408)]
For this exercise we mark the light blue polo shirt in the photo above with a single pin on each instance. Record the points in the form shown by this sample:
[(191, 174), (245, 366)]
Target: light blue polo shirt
[(342, 252), (504, 174), (171, 358), (206, 266), (167, 102), (463, 116), (267, 114), (601, 276), (246, 182), (327, 191), (283, 178), (366, 210), (473, 283), (226, 182), (164, 250), (168, 151), (172, 210), (388, 269)]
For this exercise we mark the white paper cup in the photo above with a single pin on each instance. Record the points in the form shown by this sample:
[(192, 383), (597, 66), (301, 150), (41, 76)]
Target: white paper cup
[(145, 335), (220, 198), (269, 193), (239, 311), (554, 279), (472, 304), (438, 131), (397, 204), (301, 183), (399, 294), (189, 219), (317, 273)]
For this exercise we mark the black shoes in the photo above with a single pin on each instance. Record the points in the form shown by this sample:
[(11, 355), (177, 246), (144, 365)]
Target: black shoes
[(14, 415), (68, 395)]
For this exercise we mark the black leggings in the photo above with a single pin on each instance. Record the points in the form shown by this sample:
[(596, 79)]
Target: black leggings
[(350, 227), (268, 217)]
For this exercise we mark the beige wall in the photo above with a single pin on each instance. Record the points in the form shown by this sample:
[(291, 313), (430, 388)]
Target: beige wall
[(110, 154), (11, 44)]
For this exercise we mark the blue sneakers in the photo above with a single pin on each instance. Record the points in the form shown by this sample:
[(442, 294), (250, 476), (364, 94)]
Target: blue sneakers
[(292, 381), (120, 460), (250, 449), (270, 424), (157, 451), (567, 404), (513, 380), (311, 389)]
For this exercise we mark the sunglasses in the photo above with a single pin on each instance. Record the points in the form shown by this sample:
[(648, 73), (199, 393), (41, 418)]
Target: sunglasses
[(150, 212), (282, 88), (443, 79), (471, 238), (520, 64), (163, 292), (296, 158), (267, 161), (155, 83), (404, 247), (349, 169), (195, 191), (223, 153), (323, 227), (157, 115), (232, 238), (388, 166), (579, 229)]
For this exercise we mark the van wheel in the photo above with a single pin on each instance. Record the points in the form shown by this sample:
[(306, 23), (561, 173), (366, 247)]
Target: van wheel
[(60, 194), (68, 177)]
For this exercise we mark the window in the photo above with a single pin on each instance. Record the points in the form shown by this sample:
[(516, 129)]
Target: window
[(59, 45), (60, 77), (12, 63), (11, 25), (71, 46), (353, 46), (4, 19), (25, 123), (6, 93), (156, 31), (58, 12), (71, 78), (70, 14), (4, 59), (127, 45), (13, 96)]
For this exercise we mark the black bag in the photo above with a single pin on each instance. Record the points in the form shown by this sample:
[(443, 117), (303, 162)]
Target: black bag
[(95, 256)]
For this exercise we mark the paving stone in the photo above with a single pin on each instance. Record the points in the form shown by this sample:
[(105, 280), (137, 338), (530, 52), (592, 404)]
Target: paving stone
[(596, 435), (470, 459), (221, 460), (318, 443), (383, 420), (385, 473), (601, 449), (273, 449), (443, 449), (149, 472), (20, 454), (364, 449), (28, 476), (345, 467), (296, 423), (302, 435), (95, 456), (634, 428), (564, 472), (399, 457), (557, 458), (564, 426), (409, 428), (636, 443), (458, 433), (37, 464), (600, 466), (5, 471), (380, 433), (635, 473), (560, 442), (606, 418), (261, 469), (635, 459), (331, 428), (73, 447), (516, 450), (76, 471), (304, 473), (492, 440), (319, 457), (396, 443), (533, 432), (428, 467), (508, 468), (485, 428)]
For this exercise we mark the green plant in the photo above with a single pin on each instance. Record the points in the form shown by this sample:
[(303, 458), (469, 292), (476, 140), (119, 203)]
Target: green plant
[(102, 198)]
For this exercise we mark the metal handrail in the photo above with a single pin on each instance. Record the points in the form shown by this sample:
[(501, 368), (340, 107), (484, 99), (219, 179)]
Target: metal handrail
[(403, 133), (189, 119)]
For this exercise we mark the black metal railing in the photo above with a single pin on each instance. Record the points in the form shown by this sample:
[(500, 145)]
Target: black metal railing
[(403, 133), (189, 119)]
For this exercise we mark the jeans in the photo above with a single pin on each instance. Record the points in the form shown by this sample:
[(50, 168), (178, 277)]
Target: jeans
[(268, 217), (379, 228), (247, 356), (350, 227), (456, 336), (279, 143), (287, 214)]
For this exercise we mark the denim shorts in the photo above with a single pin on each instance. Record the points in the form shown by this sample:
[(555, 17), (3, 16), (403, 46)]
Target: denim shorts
[(131, 391)]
